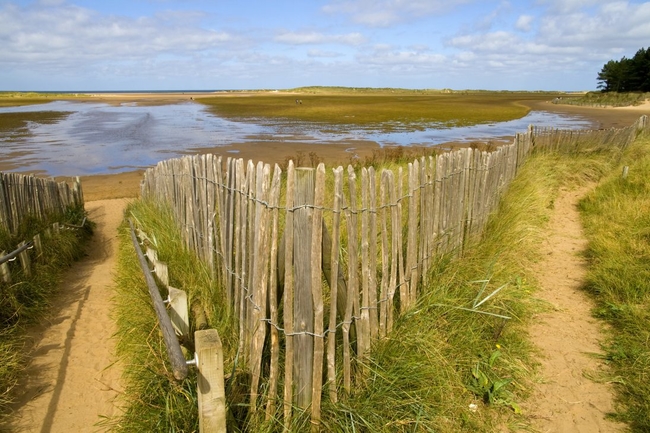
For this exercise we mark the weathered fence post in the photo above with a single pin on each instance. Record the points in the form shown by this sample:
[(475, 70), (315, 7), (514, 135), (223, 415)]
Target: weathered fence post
[(24, 259), (303, 311), (288, 298), (162, 272), (210, 382), (4, 270), (38, 244), (317, 296), (178, 310)]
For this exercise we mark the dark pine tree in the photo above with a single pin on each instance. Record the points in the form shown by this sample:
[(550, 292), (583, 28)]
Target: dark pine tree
[(626, 75)]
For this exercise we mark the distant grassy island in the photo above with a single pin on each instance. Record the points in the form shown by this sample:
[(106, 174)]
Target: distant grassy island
[(385, 109)]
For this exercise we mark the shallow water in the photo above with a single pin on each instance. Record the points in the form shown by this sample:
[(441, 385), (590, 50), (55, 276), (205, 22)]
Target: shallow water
[(101, 139)]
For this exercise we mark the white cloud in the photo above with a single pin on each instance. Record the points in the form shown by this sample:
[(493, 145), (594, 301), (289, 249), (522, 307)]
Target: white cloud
[(383, 13), (303, 38), (613, 25), (524, 23), (495, 42), (568, 6), (404, 59), (74, 34), (570, 38), (323, 54)]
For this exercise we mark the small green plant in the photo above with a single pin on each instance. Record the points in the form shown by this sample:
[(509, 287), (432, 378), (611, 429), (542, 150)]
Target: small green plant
[(487, 385)]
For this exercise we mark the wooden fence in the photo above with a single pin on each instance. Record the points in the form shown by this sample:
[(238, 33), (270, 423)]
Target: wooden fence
[(317, 265), (552, 139), (22, 196)]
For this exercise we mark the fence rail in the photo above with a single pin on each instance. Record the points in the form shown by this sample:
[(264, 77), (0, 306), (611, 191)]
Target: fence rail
[(271, 238), (22, 196), (174, 324)]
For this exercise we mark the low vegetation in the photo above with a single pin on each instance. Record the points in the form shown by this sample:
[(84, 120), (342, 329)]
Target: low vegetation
[(25, 300), (617, 223), (382, 109)]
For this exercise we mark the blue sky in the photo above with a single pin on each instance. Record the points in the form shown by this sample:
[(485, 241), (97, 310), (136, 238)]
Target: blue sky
[(277, 44)]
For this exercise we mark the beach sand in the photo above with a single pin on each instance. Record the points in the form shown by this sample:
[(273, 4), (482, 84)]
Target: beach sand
[(127, 185)]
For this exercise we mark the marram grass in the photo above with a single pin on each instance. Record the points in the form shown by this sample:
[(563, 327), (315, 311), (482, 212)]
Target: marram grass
[(617, 224)]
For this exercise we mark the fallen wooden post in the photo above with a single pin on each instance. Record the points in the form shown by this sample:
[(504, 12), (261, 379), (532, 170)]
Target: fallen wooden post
[(174, 352)]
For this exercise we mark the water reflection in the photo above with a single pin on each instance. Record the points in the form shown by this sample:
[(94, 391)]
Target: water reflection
[(99, 138)]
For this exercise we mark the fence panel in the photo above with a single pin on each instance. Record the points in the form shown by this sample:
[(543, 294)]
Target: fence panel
[(22, 196)]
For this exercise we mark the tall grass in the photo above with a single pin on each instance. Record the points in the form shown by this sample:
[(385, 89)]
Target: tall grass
[(617, 223), (25, 300), (440, 359)]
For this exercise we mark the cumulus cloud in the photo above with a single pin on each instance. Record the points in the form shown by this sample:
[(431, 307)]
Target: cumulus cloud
[(613, 25), (524, 23), (568, 36), (311, 38), (323, 54), (64, 31), (402, 59), (383, 13)]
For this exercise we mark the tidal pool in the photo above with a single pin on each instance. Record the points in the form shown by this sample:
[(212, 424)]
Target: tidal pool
[(97, 138)]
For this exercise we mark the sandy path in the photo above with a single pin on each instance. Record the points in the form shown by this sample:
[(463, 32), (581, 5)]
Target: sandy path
[(71, 381), (567, 337)]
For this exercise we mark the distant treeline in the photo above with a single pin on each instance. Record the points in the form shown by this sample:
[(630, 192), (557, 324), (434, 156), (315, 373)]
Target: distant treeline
[(626, 75)]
